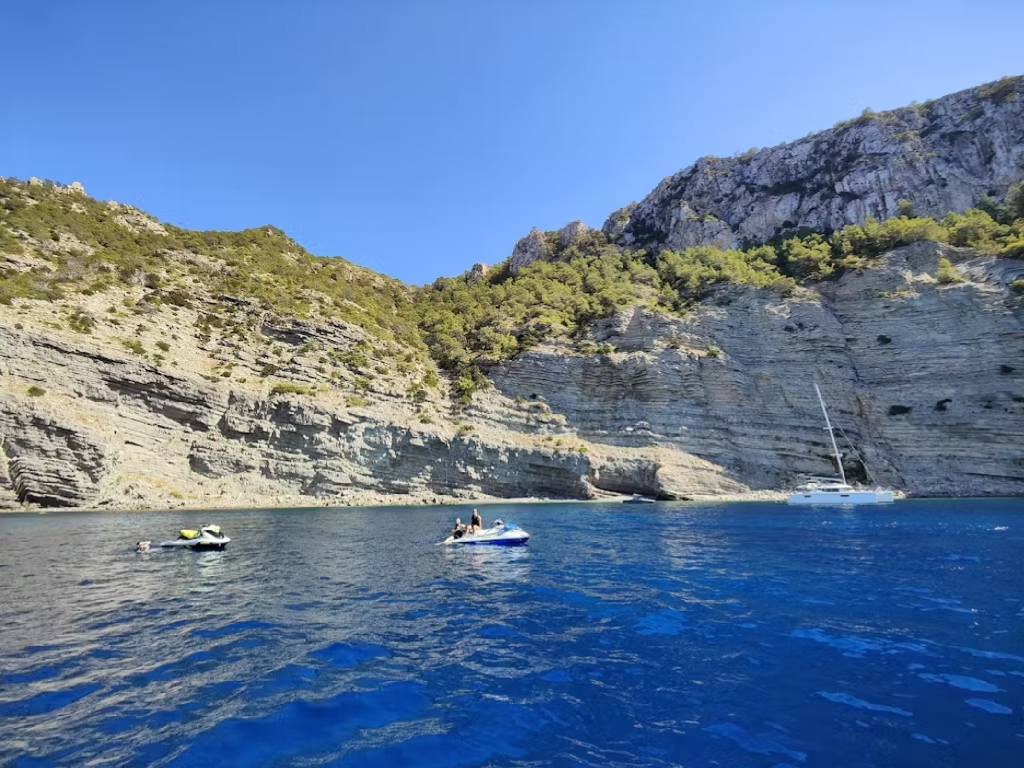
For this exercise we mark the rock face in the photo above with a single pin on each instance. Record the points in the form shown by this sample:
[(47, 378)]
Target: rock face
[(926, 380), (533, 247), (536, 246), (134, 219), (476, 273), (571, 233), (74, 188), (941, 156), (85, 425), (688, 229), (48, 462), (244, 407)]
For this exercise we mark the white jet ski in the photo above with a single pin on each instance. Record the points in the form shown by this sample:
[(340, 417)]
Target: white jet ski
[(207, 537), (500, 535)]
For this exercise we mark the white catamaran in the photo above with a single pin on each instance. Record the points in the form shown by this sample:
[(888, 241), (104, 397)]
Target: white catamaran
[(824, 490)]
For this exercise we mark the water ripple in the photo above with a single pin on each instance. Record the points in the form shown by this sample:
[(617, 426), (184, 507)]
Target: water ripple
[(684, 634)]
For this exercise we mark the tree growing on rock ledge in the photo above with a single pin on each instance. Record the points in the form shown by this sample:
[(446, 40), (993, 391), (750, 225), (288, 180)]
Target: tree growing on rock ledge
[(946, 274)]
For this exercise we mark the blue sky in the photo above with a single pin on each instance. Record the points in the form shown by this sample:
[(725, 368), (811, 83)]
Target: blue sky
[(416, 138)]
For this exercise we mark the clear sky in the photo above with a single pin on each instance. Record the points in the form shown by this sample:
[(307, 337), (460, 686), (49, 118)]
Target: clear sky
[(416, 138)]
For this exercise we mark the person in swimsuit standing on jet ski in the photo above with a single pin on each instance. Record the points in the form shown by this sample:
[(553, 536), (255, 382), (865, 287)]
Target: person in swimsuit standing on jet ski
[(475, 524)]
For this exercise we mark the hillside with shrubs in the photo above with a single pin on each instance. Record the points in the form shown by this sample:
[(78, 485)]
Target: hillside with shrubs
[(60, 245)]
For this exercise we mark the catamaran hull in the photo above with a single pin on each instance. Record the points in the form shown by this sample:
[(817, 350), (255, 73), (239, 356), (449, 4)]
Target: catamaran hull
[(848, 497)]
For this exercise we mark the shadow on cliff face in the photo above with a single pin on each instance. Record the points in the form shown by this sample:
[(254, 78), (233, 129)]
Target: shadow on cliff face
[(629, 477)]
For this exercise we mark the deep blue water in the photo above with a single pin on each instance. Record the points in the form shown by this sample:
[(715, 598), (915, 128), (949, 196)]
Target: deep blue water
[(732, 634)]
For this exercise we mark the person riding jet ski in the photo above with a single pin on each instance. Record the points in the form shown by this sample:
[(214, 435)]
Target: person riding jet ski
[(500, 534), (476, 524)]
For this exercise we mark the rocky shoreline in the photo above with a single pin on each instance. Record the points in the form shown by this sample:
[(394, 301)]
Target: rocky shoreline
[(386, 500)]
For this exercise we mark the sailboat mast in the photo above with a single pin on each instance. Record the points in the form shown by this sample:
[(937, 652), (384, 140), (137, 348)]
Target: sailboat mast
[(831, 435)]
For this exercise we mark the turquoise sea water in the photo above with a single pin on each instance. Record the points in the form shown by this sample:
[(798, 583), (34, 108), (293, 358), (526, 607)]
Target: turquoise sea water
[(680, 634)]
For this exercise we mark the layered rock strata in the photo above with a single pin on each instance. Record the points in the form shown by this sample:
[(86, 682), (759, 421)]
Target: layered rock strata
[(926, 380)]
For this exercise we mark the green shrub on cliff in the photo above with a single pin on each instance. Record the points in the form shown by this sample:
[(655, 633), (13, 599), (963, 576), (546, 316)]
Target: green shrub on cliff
[(468, 381), (496, 317), (873, 238), (690, 273), (807, 258), (8, 242), (81, 321), (34, 284), (1001, 91), (1015, 204), (946, 274), (289, 388)]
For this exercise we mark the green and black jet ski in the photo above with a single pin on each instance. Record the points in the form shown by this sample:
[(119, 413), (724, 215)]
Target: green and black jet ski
[(207, 537)]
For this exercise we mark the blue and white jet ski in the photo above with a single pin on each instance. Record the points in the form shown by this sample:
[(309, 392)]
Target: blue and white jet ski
[(207, 537), (499, 535)]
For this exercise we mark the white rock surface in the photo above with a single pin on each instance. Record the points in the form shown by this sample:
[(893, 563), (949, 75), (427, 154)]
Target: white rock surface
[(533, 247)]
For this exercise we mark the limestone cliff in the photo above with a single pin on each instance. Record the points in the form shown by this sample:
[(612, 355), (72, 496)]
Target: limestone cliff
[(940, 156), (146, 366), (927, 380)]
